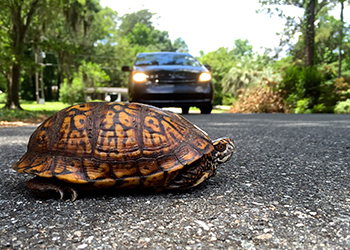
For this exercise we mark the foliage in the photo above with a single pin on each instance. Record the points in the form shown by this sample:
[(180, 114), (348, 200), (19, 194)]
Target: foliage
[(231, 69), (262, 96), (342, 87), (83, 34), (3, 97), (220, 62), (227, 99), (72, 93), (89, 76), (2, 83), (140, 33), (303, 106), (258, 99), (306, 89), (16, 19), (242, 48), (319, 108), (326, 39), (342, 107), (311, 81), (130, 20), (294, 24), (240, 76)]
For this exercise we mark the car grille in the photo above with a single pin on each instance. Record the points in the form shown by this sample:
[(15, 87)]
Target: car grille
[(175, 97), (172, 77)]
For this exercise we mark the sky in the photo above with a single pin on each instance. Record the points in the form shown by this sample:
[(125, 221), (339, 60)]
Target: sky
[(209, 25)]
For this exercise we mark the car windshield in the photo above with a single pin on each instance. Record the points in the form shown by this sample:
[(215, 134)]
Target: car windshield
[(166, 59)]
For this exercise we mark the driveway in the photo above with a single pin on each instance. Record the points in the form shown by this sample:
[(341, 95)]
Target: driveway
[(286, 187)]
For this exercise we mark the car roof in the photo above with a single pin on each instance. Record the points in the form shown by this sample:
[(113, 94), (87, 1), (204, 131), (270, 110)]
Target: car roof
[(164, 52)]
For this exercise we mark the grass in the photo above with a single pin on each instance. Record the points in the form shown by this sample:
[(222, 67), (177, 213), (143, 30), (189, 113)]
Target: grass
[(35, 113), (32, 112)]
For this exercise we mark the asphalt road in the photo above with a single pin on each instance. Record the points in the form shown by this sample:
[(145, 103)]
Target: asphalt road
[(287, 187)]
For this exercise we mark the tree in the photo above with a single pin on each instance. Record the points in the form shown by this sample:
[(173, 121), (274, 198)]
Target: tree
[(26, 22), (305, 24), (140, 35), (180, 45), (221, 62), (129, 21), (5, 50), (309, 34), (138, 29), (71, 35), (341, 36), (242, 48), (20, 15), (110, 55)]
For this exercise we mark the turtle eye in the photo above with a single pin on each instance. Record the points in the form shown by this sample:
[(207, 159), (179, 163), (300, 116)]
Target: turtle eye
[(220, 147)]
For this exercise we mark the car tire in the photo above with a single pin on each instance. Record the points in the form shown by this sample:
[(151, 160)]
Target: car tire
[(206, 109), (185, 110)]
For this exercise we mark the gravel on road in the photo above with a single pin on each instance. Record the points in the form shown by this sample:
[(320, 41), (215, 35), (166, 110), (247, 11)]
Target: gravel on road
[(286, 187)]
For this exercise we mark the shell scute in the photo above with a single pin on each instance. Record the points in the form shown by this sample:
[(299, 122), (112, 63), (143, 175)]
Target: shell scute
[(148, 167), (123, 170)]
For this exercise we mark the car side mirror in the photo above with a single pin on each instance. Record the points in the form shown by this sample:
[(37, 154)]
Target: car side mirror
[(126, 68), (207, 66)]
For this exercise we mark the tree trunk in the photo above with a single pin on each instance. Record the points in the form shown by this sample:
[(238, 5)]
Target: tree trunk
[(310, 33), (13, 87), (341, 37), (20, 24)]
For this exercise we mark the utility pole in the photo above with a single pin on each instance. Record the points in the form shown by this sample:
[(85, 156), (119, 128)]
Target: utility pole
[(36, 80), (39, 61), (42, 78)]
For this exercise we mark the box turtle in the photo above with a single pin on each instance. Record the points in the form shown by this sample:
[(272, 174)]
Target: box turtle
[(119, 146)]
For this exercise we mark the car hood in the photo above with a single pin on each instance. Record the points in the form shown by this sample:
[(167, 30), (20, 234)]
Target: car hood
[(173, 68)]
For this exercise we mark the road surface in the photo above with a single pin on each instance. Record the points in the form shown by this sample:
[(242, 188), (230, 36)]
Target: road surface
[(286, 187)]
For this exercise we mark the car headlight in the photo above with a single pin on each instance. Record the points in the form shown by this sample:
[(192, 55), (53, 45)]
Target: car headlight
[(204, 77), (139, 77)]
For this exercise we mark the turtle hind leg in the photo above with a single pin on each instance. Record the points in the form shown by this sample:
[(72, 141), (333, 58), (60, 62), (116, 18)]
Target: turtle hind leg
[(192, 175), (48, 187)]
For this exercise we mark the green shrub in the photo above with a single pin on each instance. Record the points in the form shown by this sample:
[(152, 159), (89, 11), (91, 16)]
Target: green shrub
[(227, 99), (72, 93), (291, 80), (319, 108), (342, 107), (311, 80), (3, 83), (3, 97), (302, 106), (90, 75)]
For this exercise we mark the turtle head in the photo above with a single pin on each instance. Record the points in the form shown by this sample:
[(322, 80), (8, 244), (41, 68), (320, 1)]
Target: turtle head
[(223, 150)]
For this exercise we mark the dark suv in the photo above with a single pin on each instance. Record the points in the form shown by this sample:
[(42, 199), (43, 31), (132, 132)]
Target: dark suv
[(170, 79)]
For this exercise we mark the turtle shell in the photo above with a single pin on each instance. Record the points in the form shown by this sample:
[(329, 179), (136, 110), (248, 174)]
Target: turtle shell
[(124, 145)]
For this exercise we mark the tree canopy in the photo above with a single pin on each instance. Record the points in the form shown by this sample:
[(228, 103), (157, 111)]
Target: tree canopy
[(85, 39)]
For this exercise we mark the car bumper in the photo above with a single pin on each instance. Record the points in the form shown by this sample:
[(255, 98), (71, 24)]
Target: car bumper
[(173, 95)]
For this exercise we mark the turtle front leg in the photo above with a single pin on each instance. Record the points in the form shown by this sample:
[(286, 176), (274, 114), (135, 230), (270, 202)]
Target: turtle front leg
[(48, 187)]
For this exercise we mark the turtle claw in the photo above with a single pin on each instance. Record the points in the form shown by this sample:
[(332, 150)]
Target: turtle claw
[(61, 192), (73, 193), (45, 187)]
